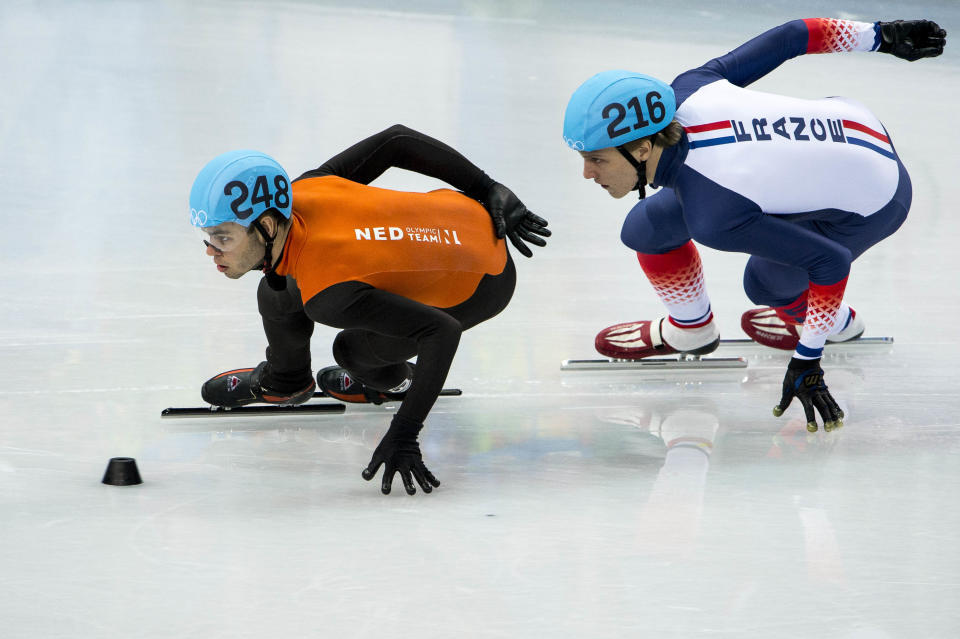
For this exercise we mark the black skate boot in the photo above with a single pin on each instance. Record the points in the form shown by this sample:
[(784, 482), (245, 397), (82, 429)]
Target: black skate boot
[(242, 386), (338, 384)]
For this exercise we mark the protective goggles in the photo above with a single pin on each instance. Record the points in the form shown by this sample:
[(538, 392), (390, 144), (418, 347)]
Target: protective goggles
[(223, 239)]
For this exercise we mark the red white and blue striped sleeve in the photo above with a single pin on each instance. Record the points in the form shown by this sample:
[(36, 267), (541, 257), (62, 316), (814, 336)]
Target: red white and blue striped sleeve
[(756, 58), (829, 35)]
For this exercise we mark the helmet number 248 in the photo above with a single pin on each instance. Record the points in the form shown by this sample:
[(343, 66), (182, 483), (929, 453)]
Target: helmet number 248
[(261, 194), (655, 110)]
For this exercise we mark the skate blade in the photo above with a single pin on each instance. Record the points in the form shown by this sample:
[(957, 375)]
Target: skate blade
[(250, 411), (858, 342), (655, 363), (446, 392)]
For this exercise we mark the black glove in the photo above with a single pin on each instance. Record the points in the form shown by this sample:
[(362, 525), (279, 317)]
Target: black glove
[(512, 219), (804, 380), (912, 39), (400, 451)]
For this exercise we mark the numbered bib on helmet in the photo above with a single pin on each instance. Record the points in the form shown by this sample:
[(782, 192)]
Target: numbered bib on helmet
[(616, 107), (239, 186)]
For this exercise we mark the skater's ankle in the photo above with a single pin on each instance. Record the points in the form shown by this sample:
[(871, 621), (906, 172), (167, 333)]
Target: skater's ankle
[(851, 327), (686, 339), (287, 382), (691, 324)]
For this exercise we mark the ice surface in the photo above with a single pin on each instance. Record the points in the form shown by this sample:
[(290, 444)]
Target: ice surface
[(573, 504)]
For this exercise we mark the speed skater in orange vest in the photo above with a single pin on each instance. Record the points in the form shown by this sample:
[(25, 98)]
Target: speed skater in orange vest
[(403, 274)]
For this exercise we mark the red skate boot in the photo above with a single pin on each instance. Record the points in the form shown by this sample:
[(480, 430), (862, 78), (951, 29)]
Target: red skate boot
[(771, 327), (768, 327), (636, 340)]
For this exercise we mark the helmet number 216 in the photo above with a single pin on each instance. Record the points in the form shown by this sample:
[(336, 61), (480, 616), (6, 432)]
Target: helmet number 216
[(655, 110)]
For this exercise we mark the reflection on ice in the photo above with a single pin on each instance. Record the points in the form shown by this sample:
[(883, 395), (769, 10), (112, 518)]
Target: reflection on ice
[(573, 504)]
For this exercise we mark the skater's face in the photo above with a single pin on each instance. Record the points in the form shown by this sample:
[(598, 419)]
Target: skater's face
[(233, 249), (610, 170)]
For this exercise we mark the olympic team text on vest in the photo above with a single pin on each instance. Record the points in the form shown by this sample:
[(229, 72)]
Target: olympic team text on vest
[(414, 234)]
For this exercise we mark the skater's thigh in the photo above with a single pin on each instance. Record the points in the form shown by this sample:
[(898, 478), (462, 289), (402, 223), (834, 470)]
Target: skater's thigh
[(656, 224), (857, 232), (371, 348), (355, 348), (492, 296)]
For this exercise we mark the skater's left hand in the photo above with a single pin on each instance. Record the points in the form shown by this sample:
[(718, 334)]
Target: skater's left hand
[(804, 380), (513, 220), (399, 451), (912, 39)]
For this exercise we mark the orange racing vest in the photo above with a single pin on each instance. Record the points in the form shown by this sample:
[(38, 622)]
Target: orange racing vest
[(430, 247)]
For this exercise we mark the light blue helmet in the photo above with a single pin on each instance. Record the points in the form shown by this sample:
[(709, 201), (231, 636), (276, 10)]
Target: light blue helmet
[(239, 186), (615, 107)]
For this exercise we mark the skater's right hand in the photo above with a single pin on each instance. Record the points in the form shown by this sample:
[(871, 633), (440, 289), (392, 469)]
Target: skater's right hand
[(399, 451), (912, 39), (804, 380), (513, 220)]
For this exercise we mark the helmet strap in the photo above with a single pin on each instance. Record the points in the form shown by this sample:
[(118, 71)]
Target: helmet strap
[(267, 266), (274, 281), (641, 169), (267, 262)]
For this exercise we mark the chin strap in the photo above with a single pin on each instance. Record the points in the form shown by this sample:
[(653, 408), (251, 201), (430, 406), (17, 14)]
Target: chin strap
[(267, 265), (641, 168), (275, 281)]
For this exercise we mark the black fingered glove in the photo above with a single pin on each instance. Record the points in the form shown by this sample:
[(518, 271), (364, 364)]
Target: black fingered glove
[(400, 451), (513, 220), (912, 39), (804, 380)]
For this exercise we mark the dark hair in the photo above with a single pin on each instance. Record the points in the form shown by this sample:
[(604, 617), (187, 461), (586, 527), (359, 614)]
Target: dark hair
[(275, 214), (663, 138)]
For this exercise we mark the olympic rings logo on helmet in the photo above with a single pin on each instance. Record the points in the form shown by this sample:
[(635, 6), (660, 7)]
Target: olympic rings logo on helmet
[(576, 145), (198, 218)]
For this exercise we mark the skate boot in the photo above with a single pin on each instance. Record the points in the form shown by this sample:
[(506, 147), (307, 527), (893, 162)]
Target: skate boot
[(770, 327), (852, 330), (243, 386), (636, 340), (337, 383)]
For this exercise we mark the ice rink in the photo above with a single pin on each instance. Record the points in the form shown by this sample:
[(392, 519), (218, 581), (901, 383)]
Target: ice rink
[(573, 504)]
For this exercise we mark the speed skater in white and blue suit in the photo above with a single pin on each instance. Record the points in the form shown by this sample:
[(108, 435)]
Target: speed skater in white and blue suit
[(802, 186)]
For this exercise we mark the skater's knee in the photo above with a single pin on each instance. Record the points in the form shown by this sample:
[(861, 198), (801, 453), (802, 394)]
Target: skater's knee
[(756, 292), (358, 350), (345, 348), (643, 236), (633, 239), (647, 243), (770, 284), (274, 304)]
